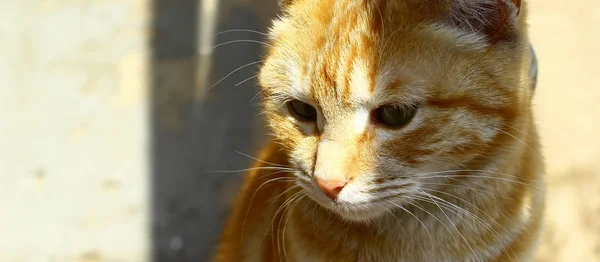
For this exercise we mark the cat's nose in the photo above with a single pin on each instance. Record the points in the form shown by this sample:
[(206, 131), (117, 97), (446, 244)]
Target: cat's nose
[(331, 188)]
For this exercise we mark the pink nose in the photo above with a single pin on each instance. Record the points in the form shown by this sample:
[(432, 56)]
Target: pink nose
[(331, 188)]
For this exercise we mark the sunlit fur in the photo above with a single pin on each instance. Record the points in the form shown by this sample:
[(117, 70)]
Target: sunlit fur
[(461, 182)]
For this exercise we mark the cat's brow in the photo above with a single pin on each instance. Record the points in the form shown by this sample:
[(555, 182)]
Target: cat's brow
[(393, 84)]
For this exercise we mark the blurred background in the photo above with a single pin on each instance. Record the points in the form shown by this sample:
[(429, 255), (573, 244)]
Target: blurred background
[(113, 112)]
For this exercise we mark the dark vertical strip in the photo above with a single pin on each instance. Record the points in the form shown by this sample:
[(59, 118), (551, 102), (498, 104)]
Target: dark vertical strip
[(192, 134)]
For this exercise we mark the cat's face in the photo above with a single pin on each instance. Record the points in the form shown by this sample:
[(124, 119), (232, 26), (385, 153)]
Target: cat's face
[(376, 102)]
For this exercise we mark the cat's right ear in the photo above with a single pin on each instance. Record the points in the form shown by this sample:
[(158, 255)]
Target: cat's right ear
[(495, 19)]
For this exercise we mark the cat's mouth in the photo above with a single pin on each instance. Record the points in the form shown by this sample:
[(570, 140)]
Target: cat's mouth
[(351, 205)]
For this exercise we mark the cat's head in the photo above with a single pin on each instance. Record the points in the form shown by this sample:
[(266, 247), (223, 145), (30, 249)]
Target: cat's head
[(376, 101)]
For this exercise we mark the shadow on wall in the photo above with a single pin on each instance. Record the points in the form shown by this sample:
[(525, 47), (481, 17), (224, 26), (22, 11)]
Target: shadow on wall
[(195, 130)]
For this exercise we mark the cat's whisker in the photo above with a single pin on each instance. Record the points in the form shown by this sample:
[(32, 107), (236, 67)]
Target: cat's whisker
[(411, 202), (283, 208), (235, 70), (249, 31), (315, 205), (518, 139), (254, 195), (279, 209), (284, 192), (393, 215), (255, 96), (488, 227), (291, 210), (428, 176), (490, 177), (383, 188), (452, 223), (252, 169), (260, 160), (413, 215), (458, 211), (275, 173), (463, 183), (470, 170), (246, 80), (514, 128), (243, 41), (466, 187), (241, 30)]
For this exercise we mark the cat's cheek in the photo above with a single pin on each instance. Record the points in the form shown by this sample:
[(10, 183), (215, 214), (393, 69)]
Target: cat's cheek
[(303, 154)]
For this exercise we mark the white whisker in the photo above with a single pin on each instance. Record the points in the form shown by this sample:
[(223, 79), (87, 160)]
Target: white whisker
[(243, 41), (286, 202), (474, 176), (518, 139), (286, 222), (452, 223), (251, 169), (260, 160), (284, 192), (252, 199), (465, 187), (434, 217), (241, 30), (237, 69), (255, 96), (476, 218), (246, 80), (413, 215), (470, 170)]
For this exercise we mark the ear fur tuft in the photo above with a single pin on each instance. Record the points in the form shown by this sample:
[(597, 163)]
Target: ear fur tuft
[(495, 19)]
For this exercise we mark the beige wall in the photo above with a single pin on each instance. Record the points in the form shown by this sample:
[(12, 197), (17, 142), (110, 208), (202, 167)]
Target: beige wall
[(566, 35), (74, 142)]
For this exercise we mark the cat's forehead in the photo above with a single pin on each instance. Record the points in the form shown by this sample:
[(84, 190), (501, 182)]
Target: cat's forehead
[(349, 81), (351, 71), (340, 54)]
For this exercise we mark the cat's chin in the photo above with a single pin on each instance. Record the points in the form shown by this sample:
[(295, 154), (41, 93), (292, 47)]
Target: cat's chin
[(363, 215), (354, 214)]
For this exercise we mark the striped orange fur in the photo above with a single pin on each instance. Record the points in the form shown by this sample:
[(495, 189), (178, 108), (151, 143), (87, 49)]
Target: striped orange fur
[(458, 177)]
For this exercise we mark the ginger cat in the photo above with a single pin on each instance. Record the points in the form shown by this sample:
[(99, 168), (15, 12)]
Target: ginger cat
[(402, 131)]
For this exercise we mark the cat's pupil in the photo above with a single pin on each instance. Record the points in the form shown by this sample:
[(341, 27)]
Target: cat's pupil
[(302, 111), (394, 116)]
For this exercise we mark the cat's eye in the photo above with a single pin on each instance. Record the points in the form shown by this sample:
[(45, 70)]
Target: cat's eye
[(394, 116), (302, 111)]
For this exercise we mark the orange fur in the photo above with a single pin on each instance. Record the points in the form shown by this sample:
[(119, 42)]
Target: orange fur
[(462, 181)]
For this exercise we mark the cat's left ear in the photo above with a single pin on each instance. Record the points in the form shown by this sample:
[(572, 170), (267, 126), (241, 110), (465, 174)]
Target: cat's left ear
[(497, 20)]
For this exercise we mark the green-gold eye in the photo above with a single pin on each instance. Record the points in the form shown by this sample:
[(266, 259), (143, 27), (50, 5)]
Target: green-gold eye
[(394, 116), (302, 111)]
